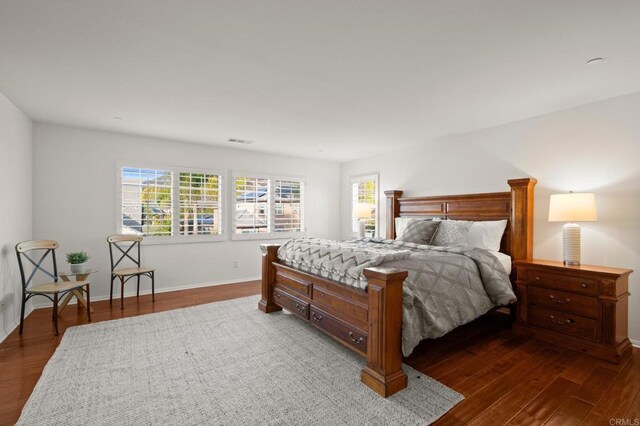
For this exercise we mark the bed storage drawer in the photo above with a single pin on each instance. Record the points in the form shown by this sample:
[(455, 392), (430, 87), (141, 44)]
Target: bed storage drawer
[(568, 302), (585, 328), (344, 303), (353, 337), (293, 281), (291, 303)]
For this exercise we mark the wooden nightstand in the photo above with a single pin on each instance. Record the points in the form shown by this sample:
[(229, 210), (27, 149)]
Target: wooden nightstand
[(583, 308)]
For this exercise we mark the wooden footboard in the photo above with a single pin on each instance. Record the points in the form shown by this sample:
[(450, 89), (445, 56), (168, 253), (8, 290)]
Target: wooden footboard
[(366, 321)]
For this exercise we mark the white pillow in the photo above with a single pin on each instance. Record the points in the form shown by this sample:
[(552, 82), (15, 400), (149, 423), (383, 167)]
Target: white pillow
[(505, 260), (486, 234)]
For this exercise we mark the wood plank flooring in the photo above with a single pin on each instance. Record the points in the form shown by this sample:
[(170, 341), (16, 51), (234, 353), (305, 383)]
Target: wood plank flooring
[(506, 379)]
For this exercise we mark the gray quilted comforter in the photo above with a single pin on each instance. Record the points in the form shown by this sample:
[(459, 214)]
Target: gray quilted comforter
[(446, 286)]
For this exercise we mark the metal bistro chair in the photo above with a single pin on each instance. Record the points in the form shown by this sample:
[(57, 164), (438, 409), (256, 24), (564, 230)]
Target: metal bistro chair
[(118, 241), (51, 290)]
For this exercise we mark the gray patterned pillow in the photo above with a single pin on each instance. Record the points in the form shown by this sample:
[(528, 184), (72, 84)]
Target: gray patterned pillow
[(419, 231), (451, 233), (401, 224)]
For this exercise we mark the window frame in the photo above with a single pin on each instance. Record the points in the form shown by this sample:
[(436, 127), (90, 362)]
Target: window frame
[(175, 238), (376, 218), (271, 235)]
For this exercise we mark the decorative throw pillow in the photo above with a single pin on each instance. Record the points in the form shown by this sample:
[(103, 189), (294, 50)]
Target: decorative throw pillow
[(403, 221), (419, 231), (486, 234), (452, 233)]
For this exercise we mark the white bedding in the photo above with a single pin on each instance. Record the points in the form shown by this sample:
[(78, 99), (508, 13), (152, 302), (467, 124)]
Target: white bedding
[(505, 260)]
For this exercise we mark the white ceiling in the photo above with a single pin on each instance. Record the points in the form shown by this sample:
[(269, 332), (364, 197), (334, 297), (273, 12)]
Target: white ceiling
[(349, 77)]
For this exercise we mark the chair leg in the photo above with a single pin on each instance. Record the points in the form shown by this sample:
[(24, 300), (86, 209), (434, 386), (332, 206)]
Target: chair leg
[(153, 287), (111, 291), (55, 311), (138, 288), (88, 304), (121, 293), (24, 302)]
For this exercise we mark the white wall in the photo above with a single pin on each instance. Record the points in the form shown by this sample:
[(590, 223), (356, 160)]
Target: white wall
[(75, 195), (594, 148), (16, 213)]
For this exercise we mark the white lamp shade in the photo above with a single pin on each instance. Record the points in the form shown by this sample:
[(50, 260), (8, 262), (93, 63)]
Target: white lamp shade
[(362, 210), (573, 208)]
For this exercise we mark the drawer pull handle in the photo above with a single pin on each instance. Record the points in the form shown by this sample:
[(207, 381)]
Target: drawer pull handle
[(567, 321), (560, 302), (583, 285), (300, 308), (316, 318), (354, 340), (537, 278)]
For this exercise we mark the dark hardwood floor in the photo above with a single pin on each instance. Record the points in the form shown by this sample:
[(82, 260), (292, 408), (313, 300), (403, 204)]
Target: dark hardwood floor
[(506, 379)]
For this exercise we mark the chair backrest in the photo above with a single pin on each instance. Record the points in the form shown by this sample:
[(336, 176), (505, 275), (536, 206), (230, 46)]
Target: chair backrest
[(24, 251), (124, 243)]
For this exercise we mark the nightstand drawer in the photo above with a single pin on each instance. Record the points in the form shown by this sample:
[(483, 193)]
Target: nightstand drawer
[(564, 323), (567, 302), (564, 283)]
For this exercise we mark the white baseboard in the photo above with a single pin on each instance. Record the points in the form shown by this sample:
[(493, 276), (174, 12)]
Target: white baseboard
[(116, 294), (635, 343), (16, 323)]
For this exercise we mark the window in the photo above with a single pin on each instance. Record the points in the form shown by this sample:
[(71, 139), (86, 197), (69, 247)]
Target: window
[(149, 197), (364, 193), (147, 201), (288, 206), (268, 206), (199, 204), (252, 201)]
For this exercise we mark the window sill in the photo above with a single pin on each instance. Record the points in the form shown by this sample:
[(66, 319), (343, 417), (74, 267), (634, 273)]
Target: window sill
[(155, 241), (186, 239), (269, 236)]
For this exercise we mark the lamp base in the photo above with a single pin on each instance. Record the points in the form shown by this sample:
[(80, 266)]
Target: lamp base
[(571, 244), (361, 231)]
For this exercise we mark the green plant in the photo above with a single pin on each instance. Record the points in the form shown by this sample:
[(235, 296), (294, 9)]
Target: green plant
[(77, 257)]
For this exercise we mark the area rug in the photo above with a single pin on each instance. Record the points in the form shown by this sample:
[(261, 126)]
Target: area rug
[(221, 363)]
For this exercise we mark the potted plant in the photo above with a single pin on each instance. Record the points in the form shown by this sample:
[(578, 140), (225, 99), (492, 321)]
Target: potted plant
[(77, 261)]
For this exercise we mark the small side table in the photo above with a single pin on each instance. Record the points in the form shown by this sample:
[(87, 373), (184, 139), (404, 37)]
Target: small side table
[(79, 276)]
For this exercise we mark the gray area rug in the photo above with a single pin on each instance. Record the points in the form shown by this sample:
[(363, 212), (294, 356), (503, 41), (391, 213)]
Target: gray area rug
[(220, 363)]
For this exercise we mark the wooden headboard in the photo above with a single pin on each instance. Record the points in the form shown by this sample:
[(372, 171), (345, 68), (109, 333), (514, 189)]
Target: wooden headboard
[(516, 206)]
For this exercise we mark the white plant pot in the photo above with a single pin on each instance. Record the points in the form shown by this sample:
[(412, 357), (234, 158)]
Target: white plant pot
[(78, 268)]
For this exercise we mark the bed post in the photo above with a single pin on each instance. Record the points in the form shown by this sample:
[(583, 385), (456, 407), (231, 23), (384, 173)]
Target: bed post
[(393, 211), (269, 255), (383, 372), (521, 218), (521, 223)]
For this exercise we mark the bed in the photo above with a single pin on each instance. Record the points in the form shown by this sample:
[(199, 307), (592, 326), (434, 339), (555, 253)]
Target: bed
[(369, 319)]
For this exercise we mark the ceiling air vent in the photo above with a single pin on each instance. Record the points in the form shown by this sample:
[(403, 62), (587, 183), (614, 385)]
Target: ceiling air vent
[(240, 141)]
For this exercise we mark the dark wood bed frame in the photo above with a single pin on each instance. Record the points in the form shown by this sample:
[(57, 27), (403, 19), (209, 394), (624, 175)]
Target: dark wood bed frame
[(370, 321)]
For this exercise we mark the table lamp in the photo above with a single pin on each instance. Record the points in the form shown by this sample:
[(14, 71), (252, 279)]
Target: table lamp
[(362, 211), (572, 208)]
